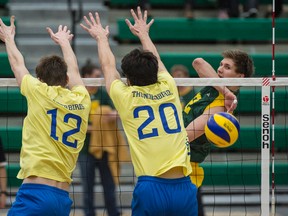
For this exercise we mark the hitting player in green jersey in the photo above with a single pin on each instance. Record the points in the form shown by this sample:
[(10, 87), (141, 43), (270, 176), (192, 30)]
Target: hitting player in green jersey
[(210, 100)]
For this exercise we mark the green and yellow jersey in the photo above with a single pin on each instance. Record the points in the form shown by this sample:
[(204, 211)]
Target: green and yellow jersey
[(208, 97)]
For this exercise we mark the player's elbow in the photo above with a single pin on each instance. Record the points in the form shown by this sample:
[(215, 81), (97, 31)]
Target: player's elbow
[(198, 62)]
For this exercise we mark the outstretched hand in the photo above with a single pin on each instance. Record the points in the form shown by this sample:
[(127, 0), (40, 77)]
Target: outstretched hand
[(230, 102), (7, 32), (63, 34), (94, 27), (140, 26)]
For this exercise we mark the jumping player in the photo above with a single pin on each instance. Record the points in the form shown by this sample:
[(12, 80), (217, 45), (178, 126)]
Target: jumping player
[(54, 128), (210, 100), (151, 114)]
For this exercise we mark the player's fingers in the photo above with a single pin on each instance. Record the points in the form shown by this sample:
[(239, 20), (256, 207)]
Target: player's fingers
[(98, 20), (131, 27), (87, 21), (70, 36), (60, 28), (65, 28), (134, 15), (233, 106), (128, 23), (84, 27), (235, 103), (92, 19), (139, 13), (229, 110), (12, 21), (49, 30), (150, 23), (145, 16), (107, 30)]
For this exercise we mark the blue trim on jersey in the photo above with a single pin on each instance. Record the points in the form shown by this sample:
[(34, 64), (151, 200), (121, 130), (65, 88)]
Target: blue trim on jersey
[(155, 196)]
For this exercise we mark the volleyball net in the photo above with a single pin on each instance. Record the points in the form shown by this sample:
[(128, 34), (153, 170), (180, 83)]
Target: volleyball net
[(248, 177)]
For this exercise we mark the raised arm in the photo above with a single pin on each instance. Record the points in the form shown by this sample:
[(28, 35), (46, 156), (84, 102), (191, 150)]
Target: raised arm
[(141, 30), (63, 38), (7, 35), (204, 69), (106, 57)]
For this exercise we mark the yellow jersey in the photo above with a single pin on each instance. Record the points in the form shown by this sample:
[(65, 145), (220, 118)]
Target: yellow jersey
[(152, 120), (54, 129)]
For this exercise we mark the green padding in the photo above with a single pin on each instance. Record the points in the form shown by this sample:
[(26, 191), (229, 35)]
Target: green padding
[(6, 20), (250, 139), (262, 62), (209, 29), (3, 2), (216, 174), (241, 173), (5, 69), (163, 3), (11, 138), (12, 171), (179, 3), (12, 101), (249, 101)]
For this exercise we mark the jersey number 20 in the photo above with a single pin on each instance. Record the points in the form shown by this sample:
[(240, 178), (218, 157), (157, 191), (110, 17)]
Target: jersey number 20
[(151, 117), (67, 133)]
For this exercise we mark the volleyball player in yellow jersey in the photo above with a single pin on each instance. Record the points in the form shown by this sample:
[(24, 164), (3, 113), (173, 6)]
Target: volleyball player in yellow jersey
[(151, 114), (54, 128)]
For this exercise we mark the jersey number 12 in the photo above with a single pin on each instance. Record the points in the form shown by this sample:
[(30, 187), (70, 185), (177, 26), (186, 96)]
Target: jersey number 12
[(66, 134)]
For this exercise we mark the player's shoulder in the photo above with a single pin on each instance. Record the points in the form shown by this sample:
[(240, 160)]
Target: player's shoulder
[(80, 89), (28, 79), (29, 84), (118, 87), (164, 75)]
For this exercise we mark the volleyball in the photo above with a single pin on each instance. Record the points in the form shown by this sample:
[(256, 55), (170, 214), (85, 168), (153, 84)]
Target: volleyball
[(222, 129)]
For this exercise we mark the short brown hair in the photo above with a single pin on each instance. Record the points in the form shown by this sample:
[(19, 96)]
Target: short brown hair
[(244, 64), (88, 68), (179, 67), (52, 70)]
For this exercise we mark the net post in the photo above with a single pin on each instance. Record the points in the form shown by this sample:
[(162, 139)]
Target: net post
[(265, 147)]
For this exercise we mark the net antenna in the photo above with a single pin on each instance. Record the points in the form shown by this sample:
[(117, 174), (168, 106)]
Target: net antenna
[(265, 148), (273, 114)]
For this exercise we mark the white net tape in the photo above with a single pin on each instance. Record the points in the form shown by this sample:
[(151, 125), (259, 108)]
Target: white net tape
[(183, 82)]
